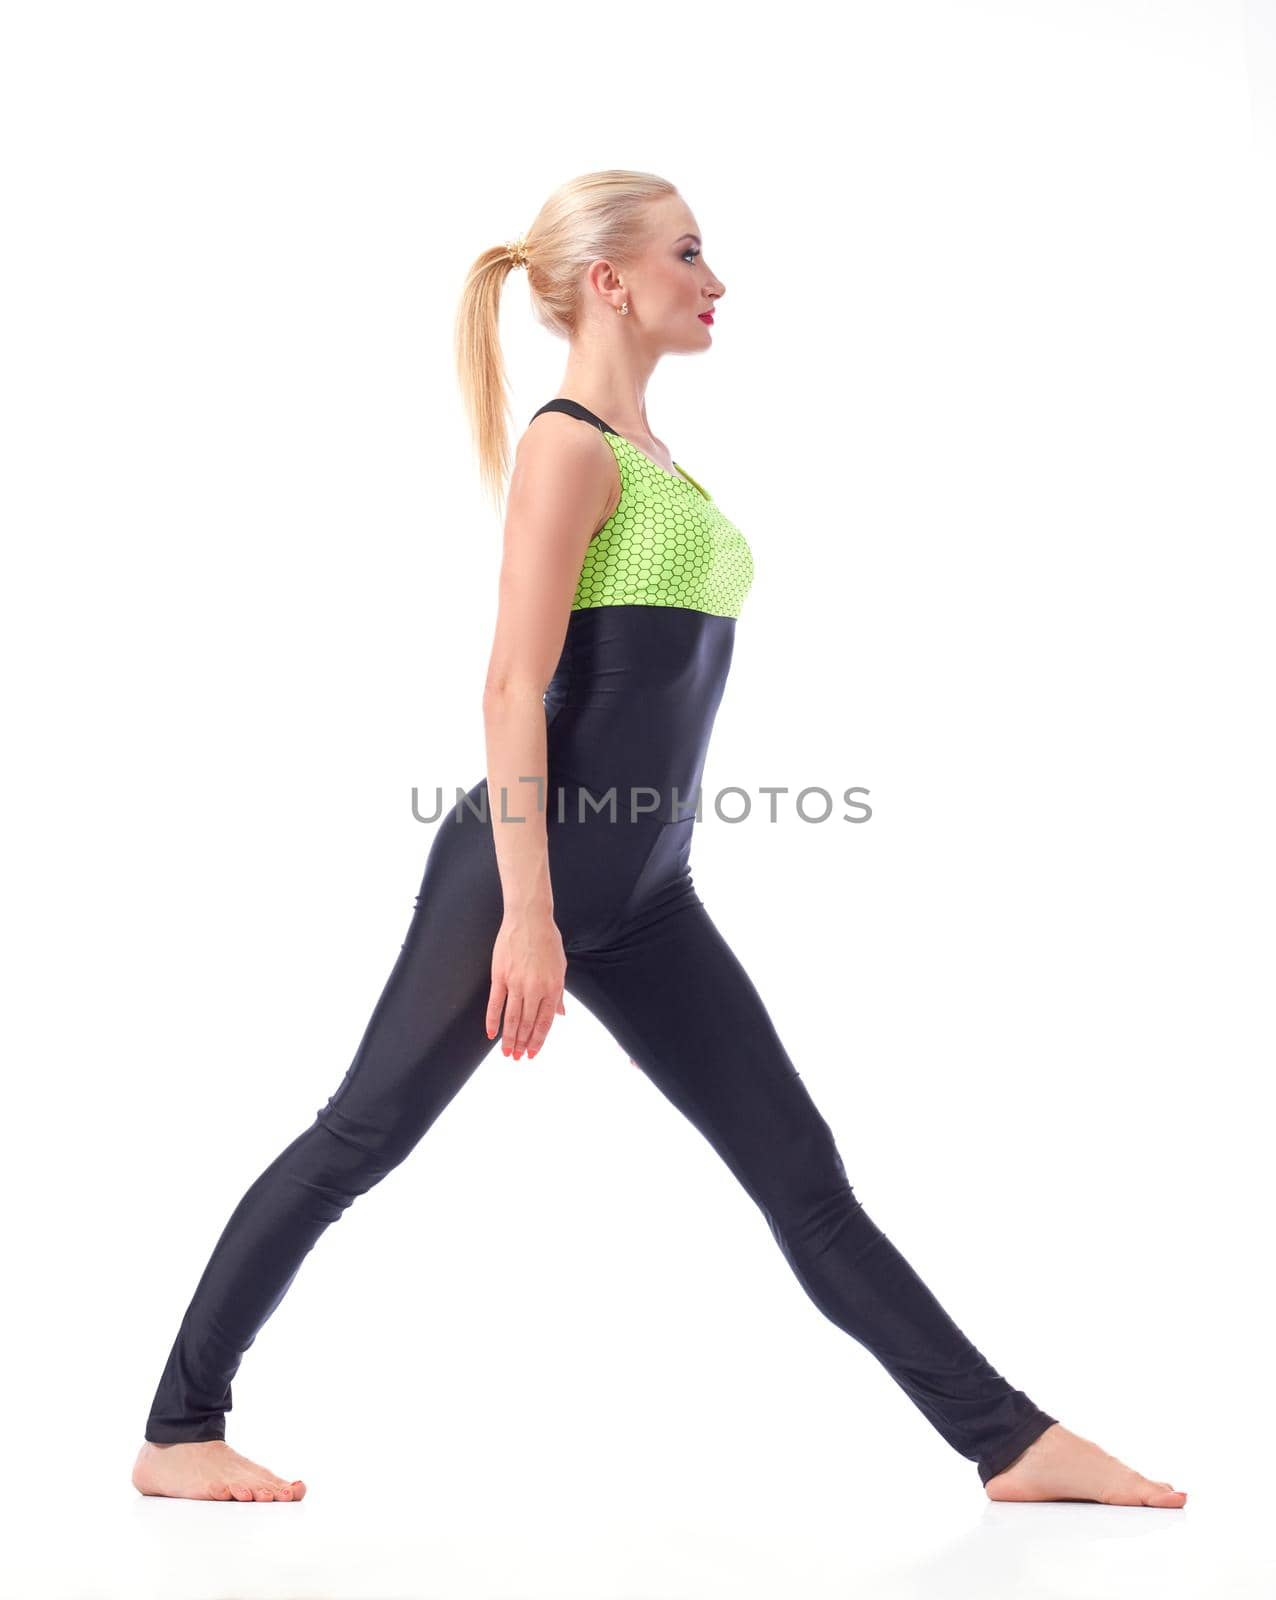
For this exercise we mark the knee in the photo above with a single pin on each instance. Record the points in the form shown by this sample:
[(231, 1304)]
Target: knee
[(809, 1202), (349, 1157)]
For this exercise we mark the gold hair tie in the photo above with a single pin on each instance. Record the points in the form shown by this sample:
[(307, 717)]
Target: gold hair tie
[(517, 251)]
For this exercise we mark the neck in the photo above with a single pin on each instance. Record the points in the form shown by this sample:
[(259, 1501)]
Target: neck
[(609, 377)]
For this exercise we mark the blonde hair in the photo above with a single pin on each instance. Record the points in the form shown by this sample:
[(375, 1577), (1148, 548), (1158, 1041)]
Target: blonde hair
[(600, 216)]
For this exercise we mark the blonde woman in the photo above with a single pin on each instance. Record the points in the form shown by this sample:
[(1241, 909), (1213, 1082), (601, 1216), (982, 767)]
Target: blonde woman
[(621, 585)]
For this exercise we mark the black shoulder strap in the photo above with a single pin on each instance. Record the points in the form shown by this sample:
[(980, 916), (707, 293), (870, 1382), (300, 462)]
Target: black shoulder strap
[(573, 408)]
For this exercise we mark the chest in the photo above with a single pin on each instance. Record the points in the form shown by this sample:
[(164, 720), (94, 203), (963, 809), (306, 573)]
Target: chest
[(667, 544)]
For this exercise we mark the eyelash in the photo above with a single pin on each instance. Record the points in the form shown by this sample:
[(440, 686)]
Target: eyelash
[(690, 251)]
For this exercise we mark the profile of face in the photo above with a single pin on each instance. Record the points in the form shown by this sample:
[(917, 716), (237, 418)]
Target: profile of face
[(671, 292)]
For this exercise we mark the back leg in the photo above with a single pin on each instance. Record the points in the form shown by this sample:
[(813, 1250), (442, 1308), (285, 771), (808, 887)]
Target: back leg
[(424, 1039), (682, 1006)]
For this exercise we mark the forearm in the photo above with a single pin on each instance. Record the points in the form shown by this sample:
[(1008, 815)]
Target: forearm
[(517, 783)]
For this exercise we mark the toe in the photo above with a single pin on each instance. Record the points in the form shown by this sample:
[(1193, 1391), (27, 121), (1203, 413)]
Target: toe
[(241, 1491), (262, 1494), (219, 1491)]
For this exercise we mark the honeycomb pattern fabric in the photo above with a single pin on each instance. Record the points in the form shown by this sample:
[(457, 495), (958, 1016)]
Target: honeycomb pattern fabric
[(666, 544)]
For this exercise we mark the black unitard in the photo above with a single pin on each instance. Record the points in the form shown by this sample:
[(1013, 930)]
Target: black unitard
[(628, 717)]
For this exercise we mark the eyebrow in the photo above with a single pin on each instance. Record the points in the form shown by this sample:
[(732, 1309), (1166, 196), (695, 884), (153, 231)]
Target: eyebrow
[(694, 236)]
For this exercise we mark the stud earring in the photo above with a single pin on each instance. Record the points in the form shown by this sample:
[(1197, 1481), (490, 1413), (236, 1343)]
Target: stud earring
[(624, 310)]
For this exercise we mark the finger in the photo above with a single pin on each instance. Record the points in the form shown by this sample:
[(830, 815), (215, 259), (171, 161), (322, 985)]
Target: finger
[(513, 1016), (560, 1007), (526, 1026), (495, 1000), (544, 1017)]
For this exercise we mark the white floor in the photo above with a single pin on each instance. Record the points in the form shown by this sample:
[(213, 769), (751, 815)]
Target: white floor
[(603, 1534)]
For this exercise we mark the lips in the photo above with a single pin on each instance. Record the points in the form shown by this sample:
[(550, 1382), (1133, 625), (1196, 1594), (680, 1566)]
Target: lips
[(707, 317)]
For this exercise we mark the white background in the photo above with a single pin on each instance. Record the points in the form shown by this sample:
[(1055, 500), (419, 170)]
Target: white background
[(991, 396)]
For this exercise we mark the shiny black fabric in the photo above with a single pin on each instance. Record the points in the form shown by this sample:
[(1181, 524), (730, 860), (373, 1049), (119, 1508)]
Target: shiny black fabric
[(628, 712)]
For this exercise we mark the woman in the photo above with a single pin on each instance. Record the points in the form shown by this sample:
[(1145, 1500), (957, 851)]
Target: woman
[(620, 588)]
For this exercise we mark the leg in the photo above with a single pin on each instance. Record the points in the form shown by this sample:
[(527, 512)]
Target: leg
[(674, 996), (425, 1037)]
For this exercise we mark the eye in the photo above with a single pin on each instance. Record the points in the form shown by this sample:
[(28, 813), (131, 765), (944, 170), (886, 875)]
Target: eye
[(690, 251)]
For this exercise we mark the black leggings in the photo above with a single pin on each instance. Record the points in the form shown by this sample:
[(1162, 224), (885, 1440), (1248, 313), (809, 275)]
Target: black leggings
[(665, 984)]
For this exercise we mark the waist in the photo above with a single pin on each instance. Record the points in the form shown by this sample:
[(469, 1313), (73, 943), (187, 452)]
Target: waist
[(632, 703), (625, 649)]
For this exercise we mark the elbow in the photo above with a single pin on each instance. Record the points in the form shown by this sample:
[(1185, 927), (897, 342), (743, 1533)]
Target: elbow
[(502, 694)]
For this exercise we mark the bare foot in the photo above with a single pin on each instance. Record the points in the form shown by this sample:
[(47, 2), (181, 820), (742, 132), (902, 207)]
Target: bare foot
[(207, 1470), (1061, 1465)]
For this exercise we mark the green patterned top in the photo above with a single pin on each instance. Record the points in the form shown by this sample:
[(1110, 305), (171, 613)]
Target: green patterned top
[(666, 544)]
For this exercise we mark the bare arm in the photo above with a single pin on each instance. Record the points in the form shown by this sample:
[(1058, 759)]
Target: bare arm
[(560, 487)]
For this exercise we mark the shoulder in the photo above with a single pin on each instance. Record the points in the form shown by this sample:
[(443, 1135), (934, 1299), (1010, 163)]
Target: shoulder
[(563, 477), (564, 470), (554, 444)]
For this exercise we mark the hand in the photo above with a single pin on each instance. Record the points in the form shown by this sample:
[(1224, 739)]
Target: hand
[(528, 968)]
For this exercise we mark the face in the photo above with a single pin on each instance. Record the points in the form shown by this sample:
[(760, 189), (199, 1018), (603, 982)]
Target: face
[(669, 288)]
